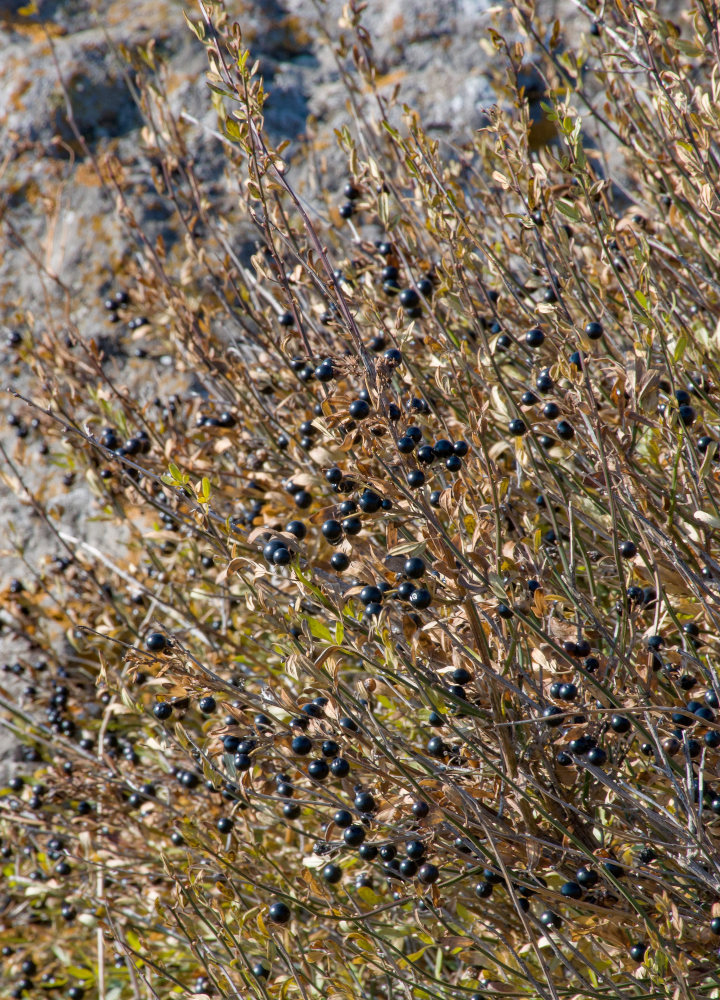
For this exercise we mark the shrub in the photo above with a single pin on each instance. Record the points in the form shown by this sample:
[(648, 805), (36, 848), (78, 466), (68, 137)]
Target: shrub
[(405, 680)]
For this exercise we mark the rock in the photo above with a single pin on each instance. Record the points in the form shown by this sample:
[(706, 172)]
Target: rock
[(417, 45)]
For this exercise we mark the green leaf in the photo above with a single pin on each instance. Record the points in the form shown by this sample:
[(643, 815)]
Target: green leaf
[(367, 895), (464, 914), (204, 494), (220, 91), (198, 29), (417, 954), (642, 319), (708, 459), (79, 973), (642, 300), (232, 129), (133, 940), (310, 586), (496, 585), (567, 209), (680, 348), (362, 942), (687, 48), (411, 167), (319, 630), (390, 130)]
